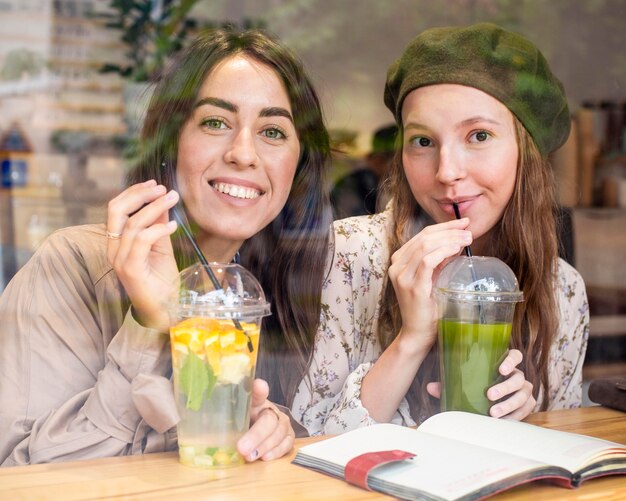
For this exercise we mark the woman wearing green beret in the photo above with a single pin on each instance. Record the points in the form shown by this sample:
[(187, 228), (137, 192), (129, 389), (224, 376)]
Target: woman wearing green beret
[(479, 111)]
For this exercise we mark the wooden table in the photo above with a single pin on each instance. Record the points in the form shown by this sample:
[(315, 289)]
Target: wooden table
[(160, 476)]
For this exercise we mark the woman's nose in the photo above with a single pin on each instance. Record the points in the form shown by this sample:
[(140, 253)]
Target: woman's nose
[(242, 150), (450, 167)]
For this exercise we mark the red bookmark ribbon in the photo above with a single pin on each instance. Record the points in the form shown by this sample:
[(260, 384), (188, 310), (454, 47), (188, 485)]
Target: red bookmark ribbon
[(359, 467)]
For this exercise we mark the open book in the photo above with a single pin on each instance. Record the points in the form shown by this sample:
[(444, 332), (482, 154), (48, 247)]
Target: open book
[(466, 456)]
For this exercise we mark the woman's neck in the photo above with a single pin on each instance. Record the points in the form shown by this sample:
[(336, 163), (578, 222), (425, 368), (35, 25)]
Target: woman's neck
[(218, 250), (480, 246)]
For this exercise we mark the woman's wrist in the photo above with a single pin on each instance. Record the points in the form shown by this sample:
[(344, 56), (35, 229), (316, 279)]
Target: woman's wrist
[(413, 346), (161, 325)]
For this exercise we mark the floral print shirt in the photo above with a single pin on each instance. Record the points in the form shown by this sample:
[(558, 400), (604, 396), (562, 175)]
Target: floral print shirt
[(346, 347)]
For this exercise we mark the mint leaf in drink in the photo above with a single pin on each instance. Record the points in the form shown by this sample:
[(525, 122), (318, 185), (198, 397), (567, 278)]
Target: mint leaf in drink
[(212, 379), (194, 380)]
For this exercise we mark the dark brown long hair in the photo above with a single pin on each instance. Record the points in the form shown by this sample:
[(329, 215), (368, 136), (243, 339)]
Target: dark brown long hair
[(525, 239), (287, 256)]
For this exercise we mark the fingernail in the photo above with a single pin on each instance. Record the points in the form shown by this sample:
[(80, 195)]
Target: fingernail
[(171, 195), (505, 368), (495, 394), (253, 455), (244, 446), (149, 182), (467, 239), (496, 411), (268, 456)]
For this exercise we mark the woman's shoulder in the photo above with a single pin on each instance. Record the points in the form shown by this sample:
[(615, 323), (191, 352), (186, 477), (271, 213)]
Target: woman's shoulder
[(569, 280), (361, 247), (363, 229), (87, 237), (83, 245)]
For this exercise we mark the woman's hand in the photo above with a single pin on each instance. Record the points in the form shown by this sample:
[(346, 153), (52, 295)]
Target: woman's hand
[(413, 271), (140, 250), (517, 393), (270, 435), (414, 268)]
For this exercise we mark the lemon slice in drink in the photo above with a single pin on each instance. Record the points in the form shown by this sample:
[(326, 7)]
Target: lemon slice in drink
[(234, 368)]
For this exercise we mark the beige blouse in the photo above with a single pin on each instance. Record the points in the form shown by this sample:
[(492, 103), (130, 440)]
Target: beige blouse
[(328, 399), (79, 377)]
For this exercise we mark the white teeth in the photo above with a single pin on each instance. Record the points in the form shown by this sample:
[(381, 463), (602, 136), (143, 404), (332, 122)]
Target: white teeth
[(236, 191)]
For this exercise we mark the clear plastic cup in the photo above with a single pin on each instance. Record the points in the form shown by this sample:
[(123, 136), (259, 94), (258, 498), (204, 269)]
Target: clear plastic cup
[(476, 298), (214, 332)]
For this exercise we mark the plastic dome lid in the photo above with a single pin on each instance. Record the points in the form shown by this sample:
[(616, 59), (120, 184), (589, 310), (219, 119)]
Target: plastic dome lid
[(235, 294), (478, 278)]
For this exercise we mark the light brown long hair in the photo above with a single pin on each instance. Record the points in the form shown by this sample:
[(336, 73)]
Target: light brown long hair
[(287, 256), (524, 238)]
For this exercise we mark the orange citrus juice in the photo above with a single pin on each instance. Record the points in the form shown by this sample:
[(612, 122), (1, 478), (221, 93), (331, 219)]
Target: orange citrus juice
[(213, 363)]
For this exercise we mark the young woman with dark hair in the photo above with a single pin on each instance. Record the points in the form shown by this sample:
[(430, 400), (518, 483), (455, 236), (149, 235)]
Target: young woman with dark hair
[(234, 137)]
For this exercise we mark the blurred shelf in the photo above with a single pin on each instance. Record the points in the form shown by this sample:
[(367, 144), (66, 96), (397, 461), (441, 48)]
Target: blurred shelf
[(93, 86), (115, 108), (607, 325), (597, 370)]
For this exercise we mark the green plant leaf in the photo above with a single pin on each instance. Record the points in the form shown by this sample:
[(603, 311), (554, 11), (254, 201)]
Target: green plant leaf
[(194, 380)]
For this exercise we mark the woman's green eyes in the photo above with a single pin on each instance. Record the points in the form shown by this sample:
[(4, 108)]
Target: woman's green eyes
[(274, 133), (214, 123), (271, 132)]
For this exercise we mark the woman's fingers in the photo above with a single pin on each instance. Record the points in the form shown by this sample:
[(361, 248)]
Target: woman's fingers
[(522, 412), (434, 389), (271, 435), (516, 393), (517, 406), (512, 360), (140, 250), (130, 201), (432, 237), (260, 392), (135, 229), (511, 384)]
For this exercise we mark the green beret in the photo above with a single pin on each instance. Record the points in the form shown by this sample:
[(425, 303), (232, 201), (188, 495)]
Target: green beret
[(503, 64)]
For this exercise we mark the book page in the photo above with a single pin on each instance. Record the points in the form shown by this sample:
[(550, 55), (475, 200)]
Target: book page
[(567, 450), (442, 468)]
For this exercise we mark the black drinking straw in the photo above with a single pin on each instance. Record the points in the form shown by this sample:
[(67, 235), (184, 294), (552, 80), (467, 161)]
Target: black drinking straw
[(457, 213), (205, 264), (468, 253)]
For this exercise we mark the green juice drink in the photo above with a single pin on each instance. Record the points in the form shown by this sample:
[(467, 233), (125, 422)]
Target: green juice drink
[(471, 355), (476, 298)]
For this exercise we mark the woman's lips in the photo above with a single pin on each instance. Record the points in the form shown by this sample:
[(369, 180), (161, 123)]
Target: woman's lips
[(236, 190), (463, 203)]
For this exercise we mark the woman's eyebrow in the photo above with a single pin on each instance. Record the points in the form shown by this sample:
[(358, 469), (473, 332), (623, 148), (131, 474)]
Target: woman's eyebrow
[(220, 103), (273, 111), (473, 120), (414, 125), (276, 111)]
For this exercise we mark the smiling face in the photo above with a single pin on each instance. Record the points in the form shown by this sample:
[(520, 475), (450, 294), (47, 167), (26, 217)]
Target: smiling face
[(237, 155), (459, 145)]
